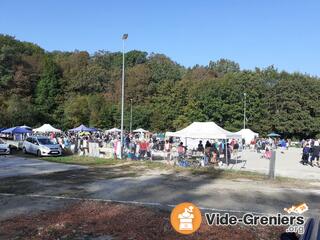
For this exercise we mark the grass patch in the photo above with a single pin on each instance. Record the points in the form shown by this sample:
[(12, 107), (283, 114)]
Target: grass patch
[(227, 173), (81, 160)]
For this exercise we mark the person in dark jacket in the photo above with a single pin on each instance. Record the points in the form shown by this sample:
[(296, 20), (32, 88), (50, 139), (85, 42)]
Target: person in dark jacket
[(315, 153), (305, 154), (200, 147)]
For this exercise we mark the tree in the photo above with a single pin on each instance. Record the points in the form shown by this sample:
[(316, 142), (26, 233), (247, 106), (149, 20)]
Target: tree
[(70, 88), (224, 66), (76, 111), (48, 87)]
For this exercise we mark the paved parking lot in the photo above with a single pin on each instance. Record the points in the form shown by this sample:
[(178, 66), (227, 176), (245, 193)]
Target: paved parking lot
[(29, 186), (11, 166), (287, 164)]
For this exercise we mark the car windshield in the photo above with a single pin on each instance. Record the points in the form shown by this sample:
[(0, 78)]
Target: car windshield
[(45, 141)]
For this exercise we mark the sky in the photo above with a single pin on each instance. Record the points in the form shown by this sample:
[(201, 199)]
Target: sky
[(254, 33)]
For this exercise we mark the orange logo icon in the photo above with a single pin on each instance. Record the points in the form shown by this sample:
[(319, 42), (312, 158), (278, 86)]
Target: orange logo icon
[(185, 218)]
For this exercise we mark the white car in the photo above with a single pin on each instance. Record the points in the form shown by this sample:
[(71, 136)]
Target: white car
[(4, 148), (41, 146)]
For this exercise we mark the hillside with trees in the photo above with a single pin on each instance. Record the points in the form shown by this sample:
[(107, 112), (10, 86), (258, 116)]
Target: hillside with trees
[(70, 88)]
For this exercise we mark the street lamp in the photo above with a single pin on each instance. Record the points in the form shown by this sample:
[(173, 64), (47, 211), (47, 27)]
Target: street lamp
[(131, 116), (244, 110), (124, 37)]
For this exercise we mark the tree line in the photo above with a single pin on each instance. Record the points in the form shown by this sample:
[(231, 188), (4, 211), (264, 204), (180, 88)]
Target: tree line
[(70, 88)]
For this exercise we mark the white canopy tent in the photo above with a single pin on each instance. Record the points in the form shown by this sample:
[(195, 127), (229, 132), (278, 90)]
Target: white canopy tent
[(112, 130), (46, 128), (140, 130), (204, 130), (247, 134)]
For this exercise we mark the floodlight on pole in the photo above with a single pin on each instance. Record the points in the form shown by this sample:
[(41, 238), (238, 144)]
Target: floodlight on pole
[(124, 37), (244, 110)]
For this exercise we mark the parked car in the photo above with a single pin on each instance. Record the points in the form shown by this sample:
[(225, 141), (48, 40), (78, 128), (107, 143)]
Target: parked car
[(41, 146), (4, 148)]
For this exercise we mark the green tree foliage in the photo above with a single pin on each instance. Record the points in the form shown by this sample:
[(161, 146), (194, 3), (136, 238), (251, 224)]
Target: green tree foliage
[(48, 87), (224, 66), (72, 88)]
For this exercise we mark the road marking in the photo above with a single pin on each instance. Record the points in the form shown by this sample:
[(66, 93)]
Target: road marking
[(127, 202)]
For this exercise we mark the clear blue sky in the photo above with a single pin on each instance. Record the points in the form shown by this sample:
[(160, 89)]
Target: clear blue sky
[(285, 33)]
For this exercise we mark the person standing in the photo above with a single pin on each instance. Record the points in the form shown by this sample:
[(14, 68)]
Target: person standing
[(116, 146), (283, 145), (149, 149), (143, 149), (305, 154), (315, 153), (243, 143), (208, 145), (200, 147), (207, 152), (181, 151), (167, 149)]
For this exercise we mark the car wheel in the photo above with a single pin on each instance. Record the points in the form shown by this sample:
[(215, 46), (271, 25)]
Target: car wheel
[(24, 150), (39, 153)]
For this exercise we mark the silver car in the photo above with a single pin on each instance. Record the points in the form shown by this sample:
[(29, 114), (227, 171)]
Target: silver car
[(4, 148), (41, 146)]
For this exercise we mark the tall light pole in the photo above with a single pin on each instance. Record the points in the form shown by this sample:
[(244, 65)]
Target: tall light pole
[(244, 110), (131, 116), (124, 37)]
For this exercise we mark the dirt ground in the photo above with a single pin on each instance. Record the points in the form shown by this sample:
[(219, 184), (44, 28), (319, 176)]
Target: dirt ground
[(111, 221), (104, 202)]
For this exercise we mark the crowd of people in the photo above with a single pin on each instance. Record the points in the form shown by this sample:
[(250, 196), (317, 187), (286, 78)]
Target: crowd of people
[(212, 152), (141, 146), (310, 152), (136, 146)]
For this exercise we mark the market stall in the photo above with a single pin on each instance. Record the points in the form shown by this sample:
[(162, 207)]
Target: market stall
[(46, 128), (204, 131), (83, 128), (248, 135)]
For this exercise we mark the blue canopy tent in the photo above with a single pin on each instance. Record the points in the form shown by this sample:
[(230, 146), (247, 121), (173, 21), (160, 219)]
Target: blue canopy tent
[(16, 130), (26, 127), (83, 128)]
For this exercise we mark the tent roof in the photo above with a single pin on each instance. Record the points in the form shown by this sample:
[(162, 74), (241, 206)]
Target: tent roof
[(204, 130), (82, 128), (114, 130), (247, 131), (46, 128), (140, 130), (273, 134), (247, 134), (27, 127), (15, 130)]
